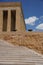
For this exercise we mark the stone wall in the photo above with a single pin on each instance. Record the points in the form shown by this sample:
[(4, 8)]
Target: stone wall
[(33, 40)]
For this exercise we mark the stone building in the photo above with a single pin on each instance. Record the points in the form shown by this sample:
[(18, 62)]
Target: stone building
[(12, 27), (11, 17)]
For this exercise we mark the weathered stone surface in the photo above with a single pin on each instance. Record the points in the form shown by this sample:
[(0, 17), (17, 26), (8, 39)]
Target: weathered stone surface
[(33, 40)]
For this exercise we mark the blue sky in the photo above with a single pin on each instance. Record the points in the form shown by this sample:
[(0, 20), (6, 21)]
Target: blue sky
[(33, 13)]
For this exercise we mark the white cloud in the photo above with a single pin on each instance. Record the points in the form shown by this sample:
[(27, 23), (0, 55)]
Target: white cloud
[(40, 26), (31, 20), (41, 18)]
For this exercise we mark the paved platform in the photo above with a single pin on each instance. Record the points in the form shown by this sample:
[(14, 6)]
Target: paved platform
[(18, 55)]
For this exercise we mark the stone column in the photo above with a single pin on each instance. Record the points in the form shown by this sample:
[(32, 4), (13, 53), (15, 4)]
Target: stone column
[(18, 19), (1, 20), (9, 21)]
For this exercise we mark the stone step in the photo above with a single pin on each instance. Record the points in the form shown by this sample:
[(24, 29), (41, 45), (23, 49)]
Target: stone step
[(18, 55), (19, 64)]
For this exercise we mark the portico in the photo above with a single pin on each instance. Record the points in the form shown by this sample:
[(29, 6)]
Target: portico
[(11, 17)]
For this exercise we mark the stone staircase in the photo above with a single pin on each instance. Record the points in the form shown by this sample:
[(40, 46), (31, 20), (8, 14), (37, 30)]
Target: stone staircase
[(18, 55)]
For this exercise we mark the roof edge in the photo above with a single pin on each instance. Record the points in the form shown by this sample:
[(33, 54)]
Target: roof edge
[(9, 4)]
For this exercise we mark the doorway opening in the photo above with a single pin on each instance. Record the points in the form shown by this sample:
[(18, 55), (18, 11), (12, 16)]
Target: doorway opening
[(13, 20), (5, 18)]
